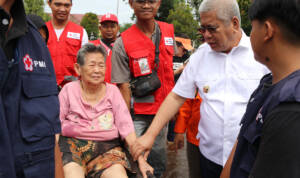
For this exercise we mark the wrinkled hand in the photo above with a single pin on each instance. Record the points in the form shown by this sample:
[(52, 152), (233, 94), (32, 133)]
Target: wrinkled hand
[(144, 167), (142, 145), (179, 141)]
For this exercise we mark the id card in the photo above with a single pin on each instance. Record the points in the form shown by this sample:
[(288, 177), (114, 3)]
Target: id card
[(144, 66), (73, 35)]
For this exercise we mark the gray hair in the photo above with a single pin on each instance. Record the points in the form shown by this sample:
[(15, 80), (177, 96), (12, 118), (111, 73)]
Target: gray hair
[(225, 9), (89, 48)]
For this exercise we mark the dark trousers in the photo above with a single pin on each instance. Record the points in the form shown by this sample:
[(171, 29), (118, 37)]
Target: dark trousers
[(171, 133), (209, 169), (193, 155)]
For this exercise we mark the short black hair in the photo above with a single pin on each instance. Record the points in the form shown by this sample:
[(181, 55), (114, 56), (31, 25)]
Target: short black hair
[(51, 1), (89, 48), (285, 13)]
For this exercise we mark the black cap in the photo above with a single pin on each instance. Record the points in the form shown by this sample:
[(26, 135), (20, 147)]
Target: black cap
[(39, 23)]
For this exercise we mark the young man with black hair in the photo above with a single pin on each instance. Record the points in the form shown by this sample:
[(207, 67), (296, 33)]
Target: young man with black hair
[(134, 56), (109, 28), (29, 107), (268, 144), (65, 39)]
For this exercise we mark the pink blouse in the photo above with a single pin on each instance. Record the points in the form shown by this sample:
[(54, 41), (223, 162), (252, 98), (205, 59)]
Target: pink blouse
[(107, 120)]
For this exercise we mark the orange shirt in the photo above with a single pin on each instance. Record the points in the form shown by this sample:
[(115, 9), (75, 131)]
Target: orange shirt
[(188, 119)]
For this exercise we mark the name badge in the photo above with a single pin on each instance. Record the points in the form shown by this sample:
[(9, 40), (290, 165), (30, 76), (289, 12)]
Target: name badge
[(169, 41), (73, 35), (177, 65), (144, 66)]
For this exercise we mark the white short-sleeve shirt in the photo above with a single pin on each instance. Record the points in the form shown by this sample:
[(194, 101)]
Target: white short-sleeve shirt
[(225, 83)]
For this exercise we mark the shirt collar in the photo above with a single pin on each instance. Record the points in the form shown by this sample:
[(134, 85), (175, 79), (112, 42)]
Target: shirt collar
[(19, 26), (244, 42)]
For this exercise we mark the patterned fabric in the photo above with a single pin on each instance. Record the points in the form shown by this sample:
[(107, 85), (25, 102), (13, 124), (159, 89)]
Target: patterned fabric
[(93, 156)]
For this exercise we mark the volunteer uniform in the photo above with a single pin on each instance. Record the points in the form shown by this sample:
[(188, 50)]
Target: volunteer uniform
[(29, 107), (133, 56), (63, 45), (268, 142), (108, 59)]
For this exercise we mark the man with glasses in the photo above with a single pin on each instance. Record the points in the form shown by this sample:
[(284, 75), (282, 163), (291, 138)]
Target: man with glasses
[(29, 106), (225, 73), (65, 39), (134, 56), (109, 28)]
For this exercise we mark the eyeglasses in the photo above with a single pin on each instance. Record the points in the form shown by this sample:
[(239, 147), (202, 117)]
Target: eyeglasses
[(210, 29), (144, 1)]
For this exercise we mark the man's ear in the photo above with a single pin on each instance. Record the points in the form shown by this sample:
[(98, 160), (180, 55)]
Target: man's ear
[(269, 30), (159, 2), (77, 69), (236, 23), (130, 3)]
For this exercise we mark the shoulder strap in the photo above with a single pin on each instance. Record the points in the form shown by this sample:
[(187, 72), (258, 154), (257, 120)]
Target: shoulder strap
[(157, 40)]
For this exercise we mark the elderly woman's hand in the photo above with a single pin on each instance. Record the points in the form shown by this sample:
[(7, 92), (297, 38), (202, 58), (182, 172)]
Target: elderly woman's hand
[(144, 166)]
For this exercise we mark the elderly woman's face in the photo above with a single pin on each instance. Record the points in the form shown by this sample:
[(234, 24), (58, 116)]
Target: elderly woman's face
[(93, 70)]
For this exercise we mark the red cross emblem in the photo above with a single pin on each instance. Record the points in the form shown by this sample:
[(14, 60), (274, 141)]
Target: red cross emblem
[(28, 63)]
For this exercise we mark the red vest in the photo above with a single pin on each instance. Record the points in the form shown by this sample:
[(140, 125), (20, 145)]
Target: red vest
[(64, 50), (108, 59), (141, 52)]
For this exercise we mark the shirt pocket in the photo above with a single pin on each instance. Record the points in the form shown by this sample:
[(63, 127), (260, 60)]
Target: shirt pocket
[(141, 64), (252, 136), (170, 50), (72, 47), (247, 83), (39, 108), (207, 86)]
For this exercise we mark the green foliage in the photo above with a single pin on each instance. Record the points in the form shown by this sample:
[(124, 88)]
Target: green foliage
[(125, 27), (195, 4), (183, 20), (246, 23), (91, 24), (36, 7)]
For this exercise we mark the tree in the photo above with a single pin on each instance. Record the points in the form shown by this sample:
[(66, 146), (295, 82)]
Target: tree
[(125, 27), (164, 10), (195, 4), (91, 24), (246, 23), (183, 20), (36, 7)]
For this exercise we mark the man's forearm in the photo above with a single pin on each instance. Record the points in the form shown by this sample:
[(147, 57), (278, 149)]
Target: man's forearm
[(126, 93), (166, 111)]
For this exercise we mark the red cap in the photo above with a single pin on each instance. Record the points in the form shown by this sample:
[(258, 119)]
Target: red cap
[(109, 17)]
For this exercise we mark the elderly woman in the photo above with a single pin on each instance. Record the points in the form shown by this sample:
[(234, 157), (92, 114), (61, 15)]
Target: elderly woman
[(94, 117)]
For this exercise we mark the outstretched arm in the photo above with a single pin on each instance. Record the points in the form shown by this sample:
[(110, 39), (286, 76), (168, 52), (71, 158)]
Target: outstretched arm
[(167, 110), (226, 170)]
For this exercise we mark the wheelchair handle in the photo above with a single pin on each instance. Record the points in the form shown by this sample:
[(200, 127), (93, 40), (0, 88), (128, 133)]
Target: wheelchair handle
[(149, 174)]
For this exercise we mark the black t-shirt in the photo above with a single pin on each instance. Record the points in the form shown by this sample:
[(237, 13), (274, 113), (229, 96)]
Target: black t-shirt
[(279, 151), (107, 42)]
